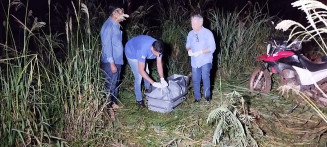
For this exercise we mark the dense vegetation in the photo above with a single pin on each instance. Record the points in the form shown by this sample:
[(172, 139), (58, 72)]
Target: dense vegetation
[(52, 90)]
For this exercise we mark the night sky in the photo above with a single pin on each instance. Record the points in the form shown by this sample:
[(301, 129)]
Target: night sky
[(282, 8), (59, 8)]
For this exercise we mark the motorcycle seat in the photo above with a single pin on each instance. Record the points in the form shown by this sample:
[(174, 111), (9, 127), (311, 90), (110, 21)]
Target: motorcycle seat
[(312, 66)]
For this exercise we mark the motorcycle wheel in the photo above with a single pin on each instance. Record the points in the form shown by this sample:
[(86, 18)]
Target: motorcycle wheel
[(264, 83)]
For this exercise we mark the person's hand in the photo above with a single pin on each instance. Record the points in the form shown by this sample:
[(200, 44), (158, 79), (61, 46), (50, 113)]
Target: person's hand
[(190, 53), (113, 68), (157, 85), (197, 53), (163, 82)]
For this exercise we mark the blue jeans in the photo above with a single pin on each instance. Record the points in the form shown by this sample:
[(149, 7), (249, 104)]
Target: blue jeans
[(112, 80), (197, 73), (133, 63)]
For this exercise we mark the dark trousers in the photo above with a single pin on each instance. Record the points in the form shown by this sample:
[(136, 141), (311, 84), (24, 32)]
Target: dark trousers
[(203, 73), (112, 80)]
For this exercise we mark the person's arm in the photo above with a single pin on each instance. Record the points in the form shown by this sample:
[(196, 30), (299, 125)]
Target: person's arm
[(204, 51), (113, 37), (107, 44), (159, 67), (108, 47), (188, 44), (189, 52), (211, 44), (141, 66), (113, 67)]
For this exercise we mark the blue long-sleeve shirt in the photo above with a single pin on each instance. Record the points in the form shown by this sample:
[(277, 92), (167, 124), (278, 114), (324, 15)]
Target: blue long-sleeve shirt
[(139, 48), (197, 42), (111, 40)]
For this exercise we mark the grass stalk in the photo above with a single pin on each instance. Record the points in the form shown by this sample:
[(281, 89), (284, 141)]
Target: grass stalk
[(240, 38)]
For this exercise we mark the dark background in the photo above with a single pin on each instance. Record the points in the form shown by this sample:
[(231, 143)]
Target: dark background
[(282, 8), (60, 8)]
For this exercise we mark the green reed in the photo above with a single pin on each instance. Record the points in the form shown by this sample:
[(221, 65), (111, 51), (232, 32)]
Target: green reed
[(241, 38), (175, 24), (46, 99)]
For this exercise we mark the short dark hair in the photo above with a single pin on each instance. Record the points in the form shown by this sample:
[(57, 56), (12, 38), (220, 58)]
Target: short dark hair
[(197, 15), (158, 46)]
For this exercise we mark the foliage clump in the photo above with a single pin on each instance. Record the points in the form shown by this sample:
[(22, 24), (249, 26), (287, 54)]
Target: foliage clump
[(233, 127)]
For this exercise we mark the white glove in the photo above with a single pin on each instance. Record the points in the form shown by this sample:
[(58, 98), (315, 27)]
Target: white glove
[(190, 53), (157, 85), (163, 82), (197, 53)]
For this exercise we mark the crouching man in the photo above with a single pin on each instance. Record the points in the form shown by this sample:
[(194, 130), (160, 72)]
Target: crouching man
[(138, 50)]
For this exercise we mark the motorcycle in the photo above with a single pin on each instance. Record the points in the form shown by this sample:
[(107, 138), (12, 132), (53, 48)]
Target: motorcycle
[(294, 69)]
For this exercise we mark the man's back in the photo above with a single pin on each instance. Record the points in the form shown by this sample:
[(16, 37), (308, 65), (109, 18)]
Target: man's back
[(138, 46)]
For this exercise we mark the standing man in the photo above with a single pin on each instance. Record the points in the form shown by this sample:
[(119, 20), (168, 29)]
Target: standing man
[(137, 51), (200, 45), (112, 52)]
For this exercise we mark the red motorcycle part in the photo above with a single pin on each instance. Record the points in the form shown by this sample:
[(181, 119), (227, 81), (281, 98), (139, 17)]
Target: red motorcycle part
[(276, 56), (279, 55)]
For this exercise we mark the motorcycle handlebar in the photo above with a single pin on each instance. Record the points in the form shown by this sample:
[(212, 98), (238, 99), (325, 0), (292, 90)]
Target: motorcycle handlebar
[(294, 45), (283, 43)]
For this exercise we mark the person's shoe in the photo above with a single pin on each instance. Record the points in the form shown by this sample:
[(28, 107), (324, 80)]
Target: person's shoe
[(208, 98), (196, 101), (109, 105), (141, 104)]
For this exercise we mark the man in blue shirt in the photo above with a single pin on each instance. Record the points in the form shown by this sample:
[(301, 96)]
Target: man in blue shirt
[(137, 51), (112, 51), (200, 45)]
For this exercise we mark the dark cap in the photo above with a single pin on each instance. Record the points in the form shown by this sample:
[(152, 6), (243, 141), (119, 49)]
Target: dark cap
[(113, 7)]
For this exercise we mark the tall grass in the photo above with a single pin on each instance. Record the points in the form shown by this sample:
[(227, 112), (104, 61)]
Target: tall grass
[(138, 22), (21, 101), (241, 37), (175, 24), (57, 102), (48, 99)]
